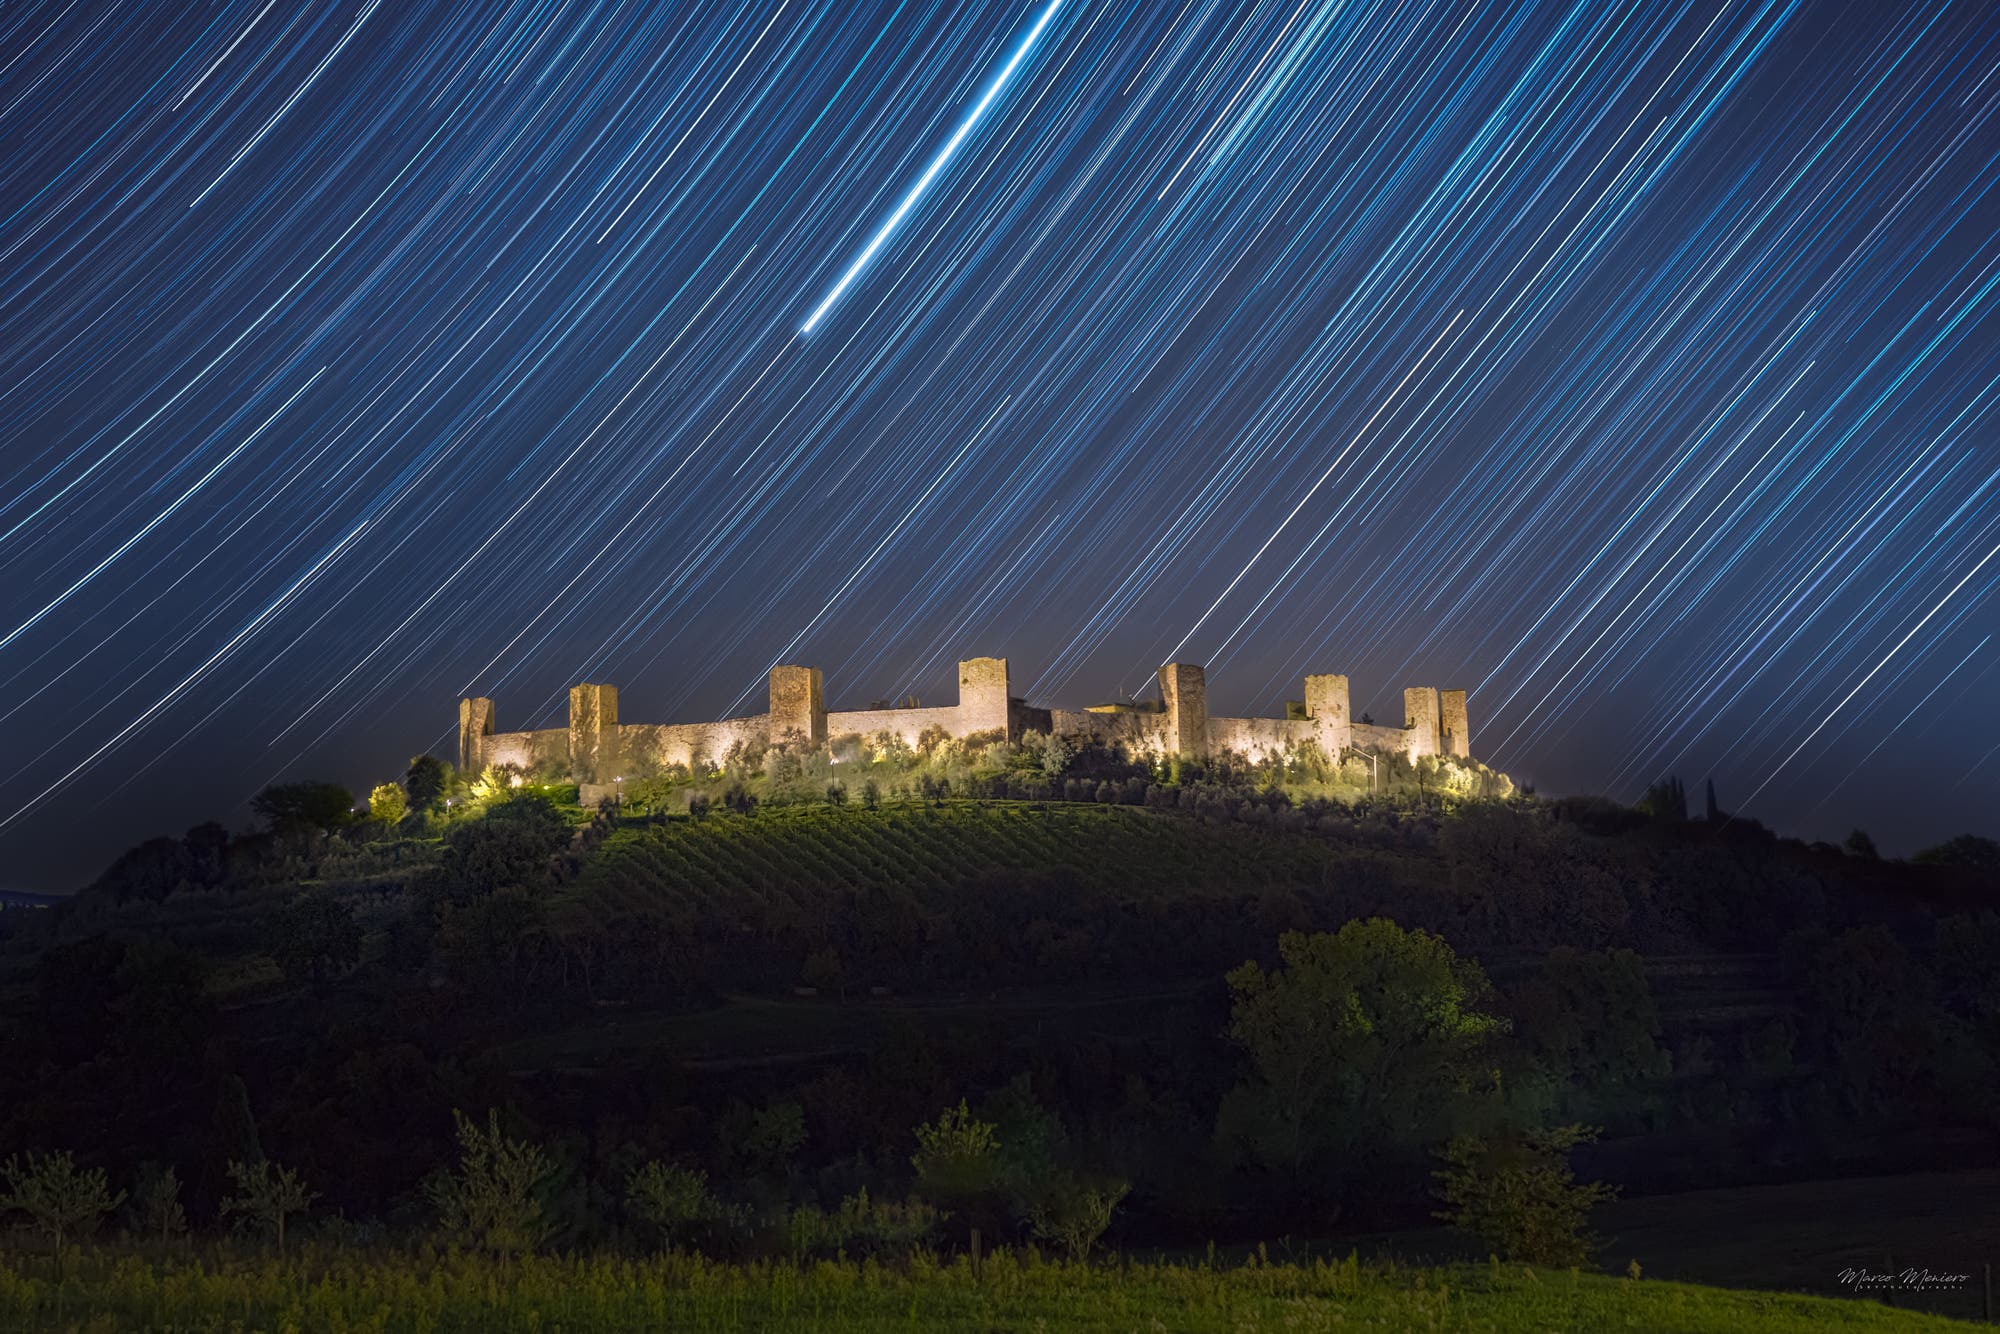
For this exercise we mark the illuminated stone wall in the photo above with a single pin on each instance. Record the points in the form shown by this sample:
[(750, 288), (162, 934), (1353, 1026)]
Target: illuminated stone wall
[(798, 704), (595, 747), (1420, 716), (527, 751), (475, 725), (1454, 731), (593, 733), (1184, 691), (696, 745)]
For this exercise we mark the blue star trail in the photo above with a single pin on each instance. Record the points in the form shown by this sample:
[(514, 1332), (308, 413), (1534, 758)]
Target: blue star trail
[(1634, 366)]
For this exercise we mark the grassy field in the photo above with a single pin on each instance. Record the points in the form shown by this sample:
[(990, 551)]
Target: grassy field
[(1795, 1237), (353, 1291)]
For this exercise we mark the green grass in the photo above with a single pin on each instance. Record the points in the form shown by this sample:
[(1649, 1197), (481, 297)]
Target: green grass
[(383, 1292)]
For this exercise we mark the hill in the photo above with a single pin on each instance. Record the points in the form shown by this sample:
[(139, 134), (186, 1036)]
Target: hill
[(776, 992)]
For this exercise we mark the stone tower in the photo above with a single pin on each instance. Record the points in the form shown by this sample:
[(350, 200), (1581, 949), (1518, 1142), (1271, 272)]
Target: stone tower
[(1420, 719), (1184, 690), (593, 733), (1454, 732), (798, 704), (475, 724), (982, 697), (1328, 707)]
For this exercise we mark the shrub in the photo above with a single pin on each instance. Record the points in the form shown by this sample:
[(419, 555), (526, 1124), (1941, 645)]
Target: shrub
[(1519, 1196), (676, 1202), (60, 1200), (1073, 1214), (266, 1195), (491, 1200), (861, 1225), (388, 803)]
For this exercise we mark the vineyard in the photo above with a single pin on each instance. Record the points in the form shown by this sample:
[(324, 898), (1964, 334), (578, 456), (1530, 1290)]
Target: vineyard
[(915, 849)]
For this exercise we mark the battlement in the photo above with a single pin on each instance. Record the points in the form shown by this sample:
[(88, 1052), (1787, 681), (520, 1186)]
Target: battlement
[(595, 746)]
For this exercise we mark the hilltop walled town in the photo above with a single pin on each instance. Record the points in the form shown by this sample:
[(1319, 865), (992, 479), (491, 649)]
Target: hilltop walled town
[(596, 745)]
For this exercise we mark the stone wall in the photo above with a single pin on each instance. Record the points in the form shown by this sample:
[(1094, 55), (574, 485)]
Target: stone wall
[(526, 750), (1369, 736), (1255, 738), (691, 743), (909, 724), (596, 747)]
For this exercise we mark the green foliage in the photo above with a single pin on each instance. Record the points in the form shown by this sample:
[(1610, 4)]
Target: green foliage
[(958, 1155), (1518, 1195), (1365, 1042), (388, 803), (294, 807), (266, 1195), (861, 1226), (1588, 1018), (492, 1199), (315, 937), (156, 1205), (426, 781), (496, 783), (1072, 1214), (677, 1203), (491, 943), (510, 846), (61, 1200)]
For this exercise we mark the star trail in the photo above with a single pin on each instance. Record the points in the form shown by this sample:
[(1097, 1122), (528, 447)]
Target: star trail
[(1635, 366)]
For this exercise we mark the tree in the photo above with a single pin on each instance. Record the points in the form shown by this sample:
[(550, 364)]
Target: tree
[(674, 1201), (266, 1195), (296, 807), (958, 1155), (1073, 1214), (491, 941), (492, 1200), (388, 803), (1588, 1018), (60, 1200), (1365, 1043), (1056, 756), (158, 1205), (315, 937), (425, 781), (1518, 1195), (1860, 845)]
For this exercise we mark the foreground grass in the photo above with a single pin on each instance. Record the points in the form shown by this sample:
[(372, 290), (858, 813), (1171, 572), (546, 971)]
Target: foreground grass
[(383, 1292)]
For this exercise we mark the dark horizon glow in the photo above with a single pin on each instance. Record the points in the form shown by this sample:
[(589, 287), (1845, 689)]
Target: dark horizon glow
[(1633, 366)]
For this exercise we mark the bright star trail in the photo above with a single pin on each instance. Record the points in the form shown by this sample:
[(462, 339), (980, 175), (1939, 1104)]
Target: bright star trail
[(923, 185), (1635, 366)]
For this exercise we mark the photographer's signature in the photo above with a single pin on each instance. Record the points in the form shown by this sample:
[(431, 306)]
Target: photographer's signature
[(1901, 1280)]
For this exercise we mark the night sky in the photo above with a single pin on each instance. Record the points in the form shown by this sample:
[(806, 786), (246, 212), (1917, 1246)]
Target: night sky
[(1631, 365)]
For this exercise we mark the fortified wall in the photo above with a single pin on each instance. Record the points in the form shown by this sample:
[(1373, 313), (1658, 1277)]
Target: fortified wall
[(596, 744)]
